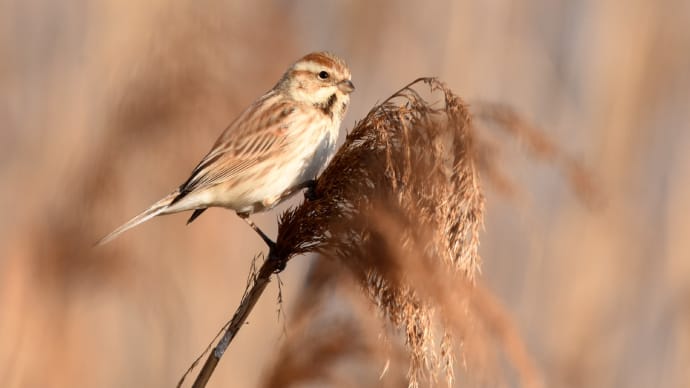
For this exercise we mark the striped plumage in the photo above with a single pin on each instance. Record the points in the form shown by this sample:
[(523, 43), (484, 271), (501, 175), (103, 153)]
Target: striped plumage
[(274, 148)]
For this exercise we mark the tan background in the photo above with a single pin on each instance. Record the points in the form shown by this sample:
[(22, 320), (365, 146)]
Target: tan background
[(106, 105)]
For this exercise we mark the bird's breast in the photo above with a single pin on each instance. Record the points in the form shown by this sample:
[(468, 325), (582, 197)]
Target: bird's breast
[(320, 156)]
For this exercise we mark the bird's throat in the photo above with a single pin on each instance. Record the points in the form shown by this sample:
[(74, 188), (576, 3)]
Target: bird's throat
[(327, 107)]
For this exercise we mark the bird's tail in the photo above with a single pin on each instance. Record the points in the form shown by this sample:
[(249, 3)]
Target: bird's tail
[(156, 209)]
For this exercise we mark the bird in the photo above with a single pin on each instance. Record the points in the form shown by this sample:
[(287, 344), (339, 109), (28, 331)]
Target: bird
[(273, 149)]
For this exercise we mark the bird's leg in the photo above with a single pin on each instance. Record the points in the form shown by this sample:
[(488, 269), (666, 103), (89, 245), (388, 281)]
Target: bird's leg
[(267, 240), (310, 193)]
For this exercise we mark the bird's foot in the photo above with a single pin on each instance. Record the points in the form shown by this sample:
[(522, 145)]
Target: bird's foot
[(271, 244), (280, 266), (310, 192)]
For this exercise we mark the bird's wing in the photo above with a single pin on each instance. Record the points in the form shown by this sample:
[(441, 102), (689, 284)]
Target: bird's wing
[(256, 135)]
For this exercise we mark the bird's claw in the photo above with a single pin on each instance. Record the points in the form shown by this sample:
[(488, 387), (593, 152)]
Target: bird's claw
[(310, 192), (280, 267)]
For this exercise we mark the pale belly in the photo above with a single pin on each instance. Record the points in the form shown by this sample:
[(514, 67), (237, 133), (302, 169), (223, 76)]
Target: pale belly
[(255, 194)]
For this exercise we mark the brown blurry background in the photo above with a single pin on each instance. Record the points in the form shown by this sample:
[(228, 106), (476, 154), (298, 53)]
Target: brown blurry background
[(107, 105)]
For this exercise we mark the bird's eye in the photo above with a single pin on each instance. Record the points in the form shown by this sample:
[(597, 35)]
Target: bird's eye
[(323, 75)]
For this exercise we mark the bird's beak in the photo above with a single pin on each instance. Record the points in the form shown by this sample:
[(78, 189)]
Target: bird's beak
[(346, 86)]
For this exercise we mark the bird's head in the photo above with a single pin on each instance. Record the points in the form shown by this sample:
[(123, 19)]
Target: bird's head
[(320, 79)]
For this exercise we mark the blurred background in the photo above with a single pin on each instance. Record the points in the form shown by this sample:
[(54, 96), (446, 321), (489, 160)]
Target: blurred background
[(107, 105)]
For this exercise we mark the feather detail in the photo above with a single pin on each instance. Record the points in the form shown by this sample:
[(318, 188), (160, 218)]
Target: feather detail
[(277, 144), (156, 209), (196, 214)]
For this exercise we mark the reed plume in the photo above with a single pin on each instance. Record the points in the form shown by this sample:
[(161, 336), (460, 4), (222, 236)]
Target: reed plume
[(399, 210)]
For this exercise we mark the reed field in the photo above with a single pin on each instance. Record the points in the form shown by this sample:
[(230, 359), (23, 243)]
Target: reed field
[(521, 219)]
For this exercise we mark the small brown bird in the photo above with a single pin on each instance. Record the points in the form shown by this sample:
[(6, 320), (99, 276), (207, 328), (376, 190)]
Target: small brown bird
[(272, 150)]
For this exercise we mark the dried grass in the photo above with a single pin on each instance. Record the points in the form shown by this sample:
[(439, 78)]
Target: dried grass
[(537, 145), (410, 158), (401, 196), (333, 337), (400, 207), (95, 99)]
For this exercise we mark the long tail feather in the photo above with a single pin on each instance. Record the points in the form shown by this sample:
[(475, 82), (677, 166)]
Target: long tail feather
[(156, 209)]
